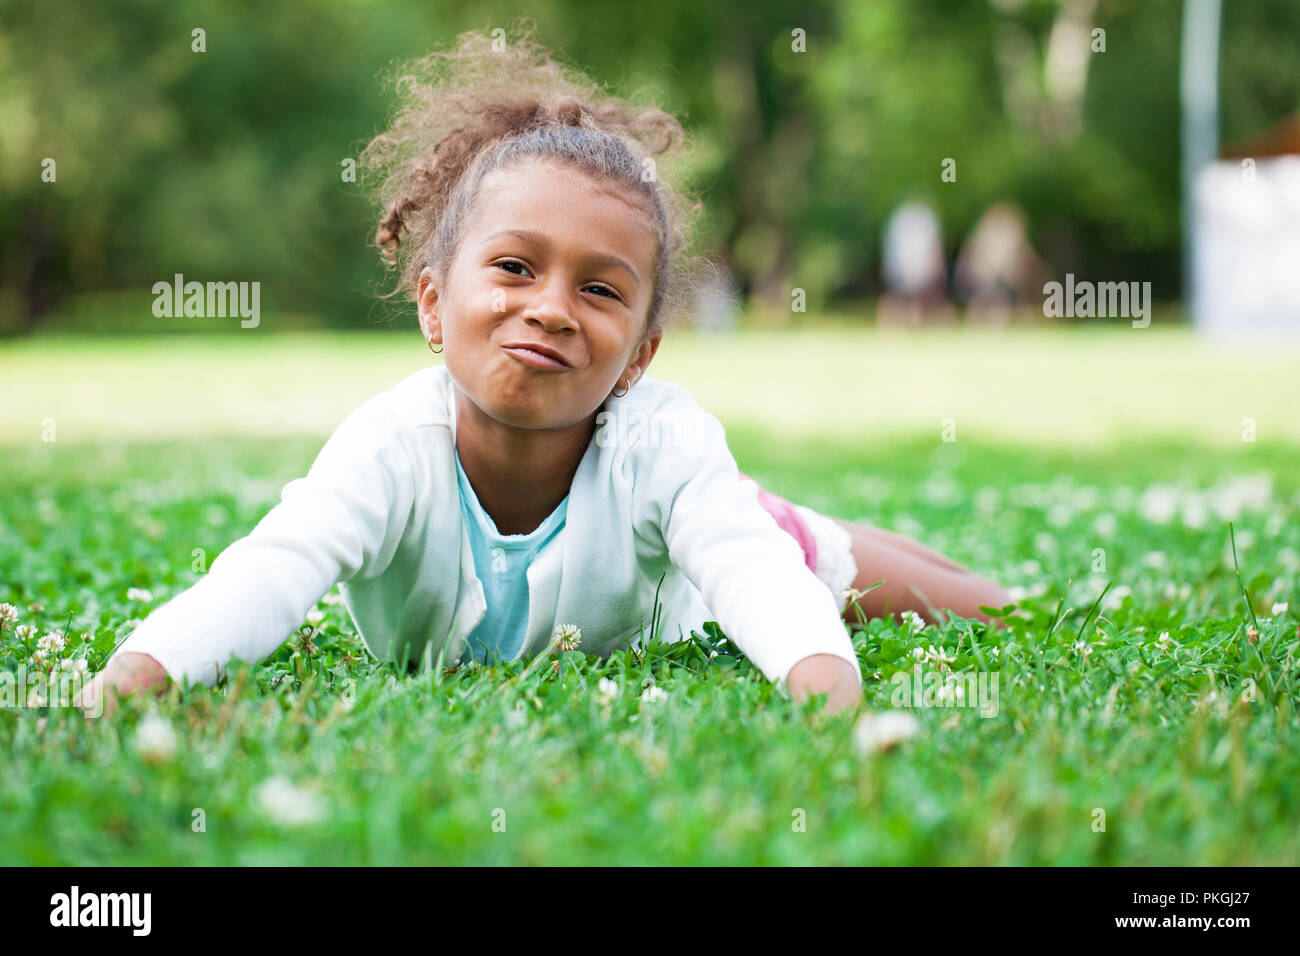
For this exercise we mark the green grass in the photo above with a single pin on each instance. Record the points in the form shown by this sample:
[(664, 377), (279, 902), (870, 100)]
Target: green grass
[(1159, 734)]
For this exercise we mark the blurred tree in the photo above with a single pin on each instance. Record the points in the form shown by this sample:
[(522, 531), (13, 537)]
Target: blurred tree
[(811, 124)]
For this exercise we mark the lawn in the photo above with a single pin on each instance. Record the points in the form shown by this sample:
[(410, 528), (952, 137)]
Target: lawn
[(1158, 728)]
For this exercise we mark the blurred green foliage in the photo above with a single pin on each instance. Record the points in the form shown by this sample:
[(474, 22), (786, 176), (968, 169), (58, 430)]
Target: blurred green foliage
[(226, 164)]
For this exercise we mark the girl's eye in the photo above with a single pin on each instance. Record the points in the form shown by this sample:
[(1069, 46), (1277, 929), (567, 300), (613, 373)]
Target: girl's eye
[(513, 262), (505, 263)]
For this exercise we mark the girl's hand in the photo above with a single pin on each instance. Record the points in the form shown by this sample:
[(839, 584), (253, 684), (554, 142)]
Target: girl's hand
[(126, 673), (829, 675)]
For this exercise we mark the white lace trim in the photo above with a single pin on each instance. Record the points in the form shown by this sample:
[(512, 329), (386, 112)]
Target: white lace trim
[(835, 565)]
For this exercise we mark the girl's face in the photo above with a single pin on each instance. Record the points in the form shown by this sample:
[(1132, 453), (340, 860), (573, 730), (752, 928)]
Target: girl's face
[(546, 302)]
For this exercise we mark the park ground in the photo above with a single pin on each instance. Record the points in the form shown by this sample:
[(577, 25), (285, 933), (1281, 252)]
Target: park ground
[(1146, 703)]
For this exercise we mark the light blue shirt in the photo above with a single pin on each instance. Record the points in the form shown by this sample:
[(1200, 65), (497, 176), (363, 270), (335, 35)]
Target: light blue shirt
[(501, 562)]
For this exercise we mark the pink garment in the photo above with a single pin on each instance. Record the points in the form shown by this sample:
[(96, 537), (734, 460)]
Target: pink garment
[(789, 521)]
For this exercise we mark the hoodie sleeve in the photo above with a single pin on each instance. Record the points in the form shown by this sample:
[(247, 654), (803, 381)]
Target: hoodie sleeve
[(343, 518), (750, 573)]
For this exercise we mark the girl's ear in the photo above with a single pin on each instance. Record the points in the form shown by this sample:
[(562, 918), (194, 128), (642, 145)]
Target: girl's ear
[(427, 304), (642, 356)]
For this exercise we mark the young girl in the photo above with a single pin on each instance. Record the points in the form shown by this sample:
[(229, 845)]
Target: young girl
[(540, 487)]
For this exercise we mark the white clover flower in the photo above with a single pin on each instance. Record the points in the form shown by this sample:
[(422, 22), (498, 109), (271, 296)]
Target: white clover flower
[(36, 608), (1159, 503), (139, 594), (1060, 515), (568, 636), (284, 802), (1083, 647), (607, 688), (8, 615), (35, 698), (939, 655), (1279, 608), (914, 620), (315, 616), (652, 693), (518, 717), (52, 644), (876, 732), (155, 741), (25, 632), (918, 653), (1164, 642)]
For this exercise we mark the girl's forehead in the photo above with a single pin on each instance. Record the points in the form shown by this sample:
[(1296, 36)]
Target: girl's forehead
[(512, 198), (546, 182)]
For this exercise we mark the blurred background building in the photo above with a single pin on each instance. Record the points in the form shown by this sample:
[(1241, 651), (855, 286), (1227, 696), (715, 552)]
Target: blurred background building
[(1247, 268)]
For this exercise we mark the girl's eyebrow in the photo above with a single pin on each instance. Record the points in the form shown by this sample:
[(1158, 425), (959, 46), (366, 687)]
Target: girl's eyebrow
[(596, 258)]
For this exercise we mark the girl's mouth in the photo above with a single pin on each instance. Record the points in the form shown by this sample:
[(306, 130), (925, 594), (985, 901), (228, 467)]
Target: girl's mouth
[(535, 358)]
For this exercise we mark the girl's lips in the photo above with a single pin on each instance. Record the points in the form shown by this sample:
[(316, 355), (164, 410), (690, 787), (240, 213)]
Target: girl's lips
[(536, 359)]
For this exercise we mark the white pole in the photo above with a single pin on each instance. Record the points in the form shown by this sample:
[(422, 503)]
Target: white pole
[(1199, 96)]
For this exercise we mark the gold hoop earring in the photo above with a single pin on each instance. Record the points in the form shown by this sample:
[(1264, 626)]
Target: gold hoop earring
[(437, 351), (626, 389)]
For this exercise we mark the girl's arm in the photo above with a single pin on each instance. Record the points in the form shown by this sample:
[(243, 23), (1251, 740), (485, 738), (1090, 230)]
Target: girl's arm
[(750, 573), (345, 515)]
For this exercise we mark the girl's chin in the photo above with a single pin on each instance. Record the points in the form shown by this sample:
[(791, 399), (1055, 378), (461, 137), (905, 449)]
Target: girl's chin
[(524, 412), (530, 401), (538, 417)]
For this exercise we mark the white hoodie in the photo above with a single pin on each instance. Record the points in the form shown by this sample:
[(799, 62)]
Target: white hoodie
[(656, 494)]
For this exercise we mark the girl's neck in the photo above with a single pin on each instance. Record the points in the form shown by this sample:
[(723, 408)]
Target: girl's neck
[(520, 475)]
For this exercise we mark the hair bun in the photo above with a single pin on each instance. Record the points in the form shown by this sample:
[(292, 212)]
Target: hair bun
[(570, 112)]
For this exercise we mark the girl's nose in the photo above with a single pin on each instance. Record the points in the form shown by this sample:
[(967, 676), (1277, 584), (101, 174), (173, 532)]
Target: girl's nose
[(550, 313)]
